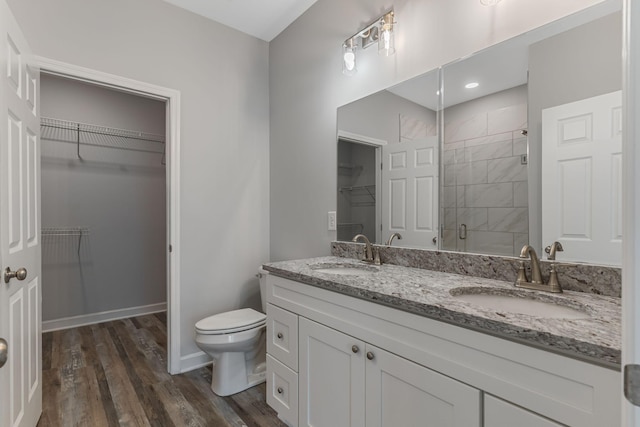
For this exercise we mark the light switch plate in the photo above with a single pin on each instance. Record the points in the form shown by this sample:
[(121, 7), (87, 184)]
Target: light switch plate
[(331, 221)]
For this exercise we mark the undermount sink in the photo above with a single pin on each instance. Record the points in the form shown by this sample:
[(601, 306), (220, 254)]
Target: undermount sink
[(344, 269), (520, 302)]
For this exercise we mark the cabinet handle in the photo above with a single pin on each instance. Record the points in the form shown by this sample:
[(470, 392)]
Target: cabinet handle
[(280, 335), (355, 349), (280, 390), (370, 355)]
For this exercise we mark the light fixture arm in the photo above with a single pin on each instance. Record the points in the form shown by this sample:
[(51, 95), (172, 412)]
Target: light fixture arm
[(369, 34)]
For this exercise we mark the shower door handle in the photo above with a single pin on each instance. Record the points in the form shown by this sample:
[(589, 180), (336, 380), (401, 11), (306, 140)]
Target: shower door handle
[(462, 231)]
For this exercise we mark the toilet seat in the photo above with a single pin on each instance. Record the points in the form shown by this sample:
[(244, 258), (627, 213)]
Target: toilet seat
[(231, 322)]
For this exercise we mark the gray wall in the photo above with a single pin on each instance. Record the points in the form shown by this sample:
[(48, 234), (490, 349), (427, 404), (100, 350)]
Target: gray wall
[(306, 88), (224, 129), (377, 116), (119, 195), (575, 65)]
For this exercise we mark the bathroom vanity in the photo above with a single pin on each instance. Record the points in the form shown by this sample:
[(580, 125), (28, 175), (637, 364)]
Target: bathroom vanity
[(350, 344)]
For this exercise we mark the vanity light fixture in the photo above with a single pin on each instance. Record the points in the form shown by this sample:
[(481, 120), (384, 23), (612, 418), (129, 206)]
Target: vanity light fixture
[(472, 85), (489, 2), (379, 31)]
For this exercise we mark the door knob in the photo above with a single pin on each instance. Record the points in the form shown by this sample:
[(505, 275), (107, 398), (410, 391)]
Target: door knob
[(21, 274), (3, 352)]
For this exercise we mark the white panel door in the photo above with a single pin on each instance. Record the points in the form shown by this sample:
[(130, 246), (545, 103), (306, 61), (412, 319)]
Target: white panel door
[(403, 393), (20, 301), (331, 376), (410, 191), (582, 179)]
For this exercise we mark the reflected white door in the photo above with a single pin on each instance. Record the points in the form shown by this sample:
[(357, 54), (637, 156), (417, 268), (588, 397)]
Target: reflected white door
[(582, 179), (20, 301), (410, 191)]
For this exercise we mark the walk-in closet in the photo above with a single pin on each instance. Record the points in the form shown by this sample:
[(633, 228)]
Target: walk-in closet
[(103, 203)]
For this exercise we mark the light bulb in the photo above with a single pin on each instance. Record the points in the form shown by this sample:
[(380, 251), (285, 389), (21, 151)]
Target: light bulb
[(386, 44), (349, 58)]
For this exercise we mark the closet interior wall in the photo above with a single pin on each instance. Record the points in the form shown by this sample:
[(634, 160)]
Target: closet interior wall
[(114, 196)]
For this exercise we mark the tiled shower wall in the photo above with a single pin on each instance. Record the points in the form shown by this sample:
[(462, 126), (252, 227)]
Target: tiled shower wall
[(485, 182)]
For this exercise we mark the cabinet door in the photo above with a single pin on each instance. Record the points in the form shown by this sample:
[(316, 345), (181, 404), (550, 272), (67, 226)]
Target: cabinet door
[(331, 375), (498, 413), (402, 393)]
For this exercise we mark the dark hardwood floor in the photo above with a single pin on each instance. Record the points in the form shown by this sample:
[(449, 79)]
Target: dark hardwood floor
[(115, 374)]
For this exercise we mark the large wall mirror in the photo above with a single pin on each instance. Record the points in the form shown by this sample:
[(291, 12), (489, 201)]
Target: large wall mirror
[(529, 148)]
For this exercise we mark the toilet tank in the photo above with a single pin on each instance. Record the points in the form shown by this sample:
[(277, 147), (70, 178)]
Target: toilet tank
[(262, 276)]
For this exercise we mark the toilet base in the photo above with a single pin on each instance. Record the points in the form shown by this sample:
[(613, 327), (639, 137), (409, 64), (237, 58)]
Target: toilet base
[(235, 380)]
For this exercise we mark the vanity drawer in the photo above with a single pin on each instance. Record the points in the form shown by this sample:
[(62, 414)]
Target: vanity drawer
[(282, 391), (282, 336)]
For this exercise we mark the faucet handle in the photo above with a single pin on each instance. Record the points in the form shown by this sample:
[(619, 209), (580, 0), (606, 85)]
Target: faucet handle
[(553, 284), (522, 274), (376, 256), (552, 249)]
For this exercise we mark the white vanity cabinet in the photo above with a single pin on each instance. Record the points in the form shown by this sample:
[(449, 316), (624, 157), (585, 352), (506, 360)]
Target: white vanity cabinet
[(346, 382), (419, 372), (498, 413)]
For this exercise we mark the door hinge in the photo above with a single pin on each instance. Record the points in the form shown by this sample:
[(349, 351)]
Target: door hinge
[(170, 248), (632, 383)]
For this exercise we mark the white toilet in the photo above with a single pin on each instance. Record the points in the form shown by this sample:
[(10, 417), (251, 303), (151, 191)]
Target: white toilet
[(235, 340)]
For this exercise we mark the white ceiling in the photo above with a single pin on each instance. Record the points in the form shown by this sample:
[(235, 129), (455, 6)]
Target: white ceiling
[(264, 19)]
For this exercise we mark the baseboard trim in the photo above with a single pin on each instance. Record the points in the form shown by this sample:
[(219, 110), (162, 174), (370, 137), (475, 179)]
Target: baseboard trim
[(194, 361), (104, 316)]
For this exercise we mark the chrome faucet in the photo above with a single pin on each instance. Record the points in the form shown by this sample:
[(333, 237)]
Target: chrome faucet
[(536, 282), (398, 235), (368, 250)]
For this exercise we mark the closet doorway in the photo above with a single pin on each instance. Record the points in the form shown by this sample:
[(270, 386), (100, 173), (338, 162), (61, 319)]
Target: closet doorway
[(109, 149)]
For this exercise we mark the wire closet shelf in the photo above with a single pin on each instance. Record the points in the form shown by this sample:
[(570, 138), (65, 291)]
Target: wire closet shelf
[(101, 136)]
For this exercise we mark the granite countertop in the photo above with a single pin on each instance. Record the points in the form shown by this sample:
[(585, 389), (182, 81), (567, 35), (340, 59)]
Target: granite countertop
[(595, 338)]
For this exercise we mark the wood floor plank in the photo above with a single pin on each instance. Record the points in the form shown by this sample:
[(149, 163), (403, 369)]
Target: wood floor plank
[(47, 343), (201, 402), (115, 374), (253, 408), (156, 414), (51, 416), (103, 393), (123, 395), (202, 380)]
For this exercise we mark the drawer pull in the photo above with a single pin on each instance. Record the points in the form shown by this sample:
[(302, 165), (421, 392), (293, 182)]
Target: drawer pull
[(280, 390), (370, 355), (355, 349), (279, 335)]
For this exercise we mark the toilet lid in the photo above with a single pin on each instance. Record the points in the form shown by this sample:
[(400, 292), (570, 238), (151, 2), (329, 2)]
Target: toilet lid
[(231, 321)]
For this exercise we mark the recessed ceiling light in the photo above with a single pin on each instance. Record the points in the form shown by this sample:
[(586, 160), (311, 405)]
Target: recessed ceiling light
[(472, 85)]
